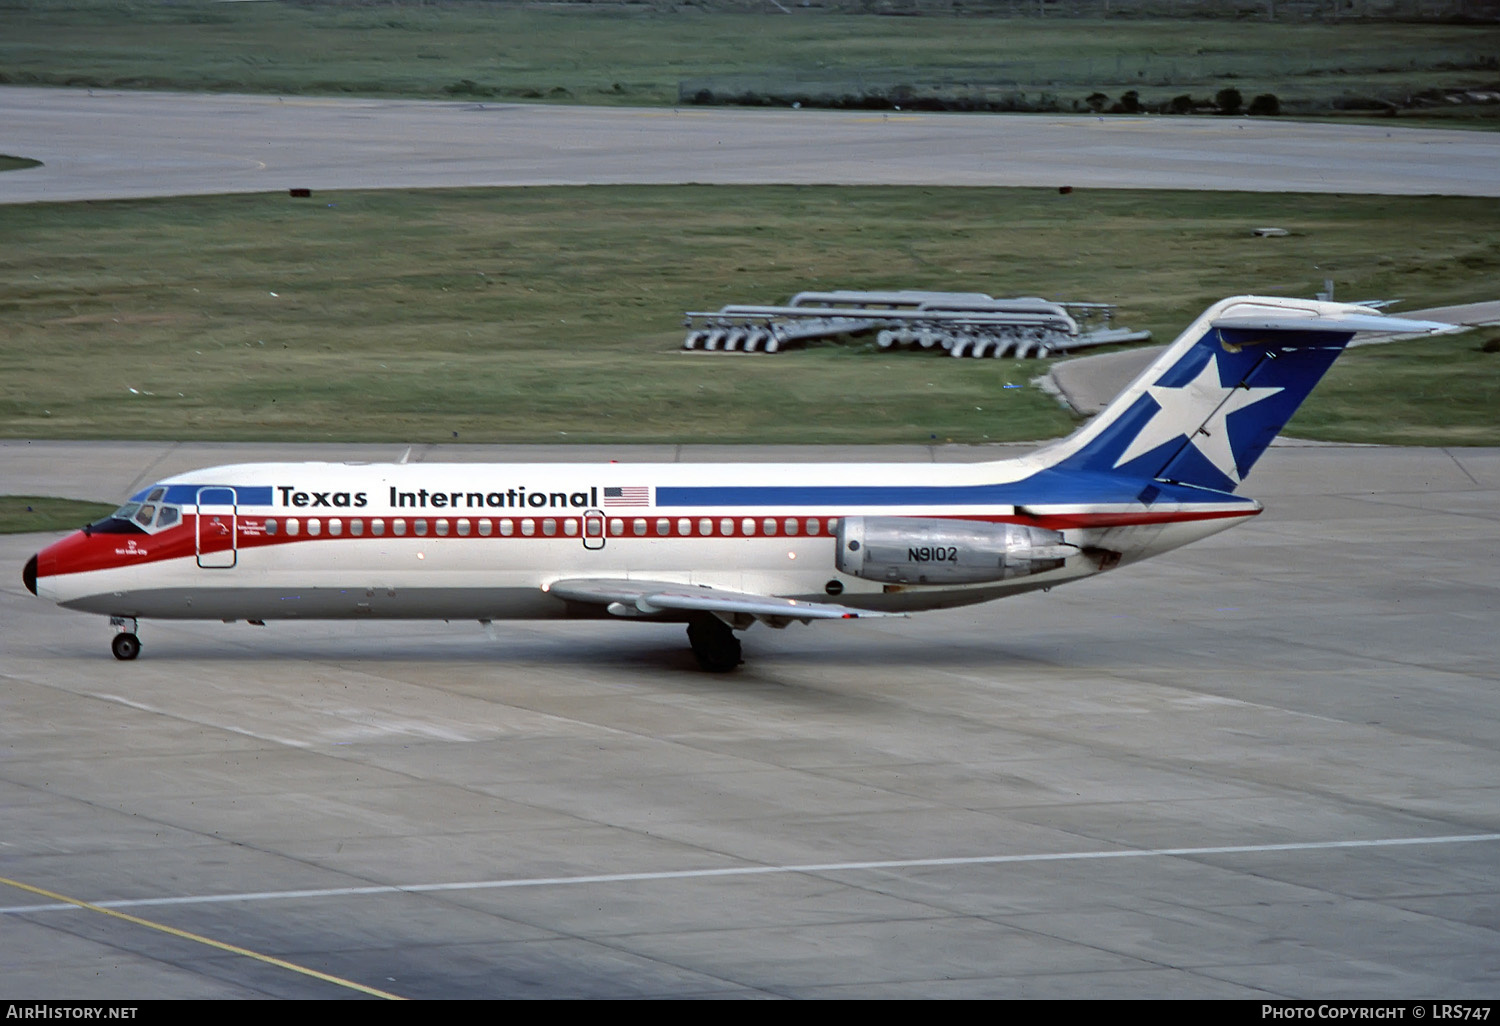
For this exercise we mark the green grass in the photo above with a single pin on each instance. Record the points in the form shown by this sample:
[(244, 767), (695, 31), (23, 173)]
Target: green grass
[(639, 54), (1371, 393), (22, 513), (553, 314), (9, 163)]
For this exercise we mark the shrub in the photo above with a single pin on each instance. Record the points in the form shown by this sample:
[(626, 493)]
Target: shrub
[(467, 87), (1265, 105), (1229, 101)]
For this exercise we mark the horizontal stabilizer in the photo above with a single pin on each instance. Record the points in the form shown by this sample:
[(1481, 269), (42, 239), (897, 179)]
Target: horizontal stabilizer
[(1354, 322)]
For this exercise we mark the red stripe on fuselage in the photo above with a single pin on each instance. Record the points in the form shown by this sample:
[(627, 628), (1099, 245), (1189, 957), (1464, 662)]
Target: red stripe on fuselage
[(80, 552)]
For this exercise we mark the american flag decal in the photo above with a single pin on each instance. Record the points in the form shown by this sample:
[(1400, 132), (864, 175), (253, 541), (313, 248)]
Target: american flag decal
[(628, 495)]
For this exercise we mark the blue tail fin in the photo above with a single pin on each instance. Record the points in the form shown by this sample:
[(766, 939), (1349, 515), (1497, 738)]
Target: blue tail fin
[(1212, 402)]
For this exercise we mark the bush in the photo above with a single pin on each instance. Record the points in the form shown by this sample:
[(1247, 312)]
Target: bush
[(1265, 105), (1229, 101), (467, 87)]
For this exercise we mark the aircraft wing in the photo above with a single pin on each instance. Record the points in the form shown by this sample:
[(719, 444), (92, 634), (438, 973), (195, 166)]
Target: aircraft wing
[(647, 598)]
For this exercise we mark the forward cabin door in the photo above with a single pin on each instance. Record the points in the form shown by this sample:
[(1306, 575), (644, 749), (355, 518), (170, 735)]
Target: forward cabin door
[(218, 528)]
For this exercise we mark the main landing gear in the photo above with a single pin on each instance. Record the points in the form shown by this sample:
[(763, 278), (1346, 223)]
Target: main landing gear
[(714, 644), (126, 645)]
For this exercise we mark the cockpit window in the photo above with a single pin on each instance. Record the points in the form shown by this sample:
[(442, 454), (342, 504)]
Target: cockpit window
[(121, 521), (157, 494), (133, 517)]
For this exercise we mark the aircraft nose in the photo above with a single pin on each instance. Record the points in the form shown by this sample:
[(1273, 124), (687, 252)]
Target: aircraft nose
[(28, 575)]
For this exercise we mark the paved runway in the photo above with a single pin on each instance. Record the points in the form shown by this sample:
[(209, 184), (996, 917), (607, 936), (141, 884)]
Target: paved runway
[(1266, 766), (97, 145)]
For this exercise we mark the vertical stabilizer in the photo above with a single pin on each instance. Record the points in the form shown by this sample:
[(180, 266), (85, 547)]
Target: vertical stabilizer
[(1203, 413)]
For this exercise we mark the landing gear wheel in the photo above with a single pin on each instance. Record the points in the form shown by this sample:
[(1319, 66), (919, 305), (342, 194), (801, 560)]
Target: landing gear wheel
[(126, 646), (714, 644)]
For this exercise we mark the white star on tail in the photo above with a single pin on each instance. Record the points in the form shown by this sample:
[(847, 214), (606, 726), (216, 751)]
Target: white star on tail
[(1198, 409)]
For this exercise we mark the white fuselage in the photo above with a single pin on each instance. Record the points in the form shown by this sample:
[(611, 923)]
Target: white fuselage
[(485, 541)]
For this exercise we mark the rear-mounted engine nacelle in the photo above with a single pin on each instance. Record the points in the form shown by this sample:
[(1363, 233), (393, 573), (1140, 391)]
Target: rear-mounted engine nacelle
[(917, 550)]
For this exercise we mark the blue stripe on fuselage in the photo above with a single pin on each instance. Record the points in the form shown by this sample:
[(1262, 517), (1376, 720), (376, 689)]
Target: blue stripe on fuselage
[(187, 494)]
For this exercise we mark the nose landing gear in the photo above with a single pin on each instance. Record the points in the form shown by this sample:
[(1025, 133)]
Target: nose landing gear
[(126, 646)]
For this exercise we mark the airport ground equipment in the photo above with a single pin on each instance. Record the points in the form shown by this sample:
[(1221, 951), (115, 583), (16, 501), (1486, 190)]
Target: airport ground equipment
[(970, 324)]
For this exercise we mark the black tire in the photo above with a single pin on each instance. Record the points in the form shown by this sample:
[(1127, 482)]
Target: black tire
[(126, 646), (714, 645)]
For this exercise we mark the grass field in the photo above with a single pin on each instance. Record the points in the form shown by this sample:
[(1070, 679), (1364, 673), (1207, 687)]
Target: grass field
[(9, 163), (22, 513), (1372, 392), (640, 54), (540, 315)]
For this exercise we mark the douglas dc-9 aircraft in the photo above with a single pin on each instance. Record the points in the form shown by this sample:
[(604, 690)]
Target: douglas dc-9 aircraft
[(718, 547)]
